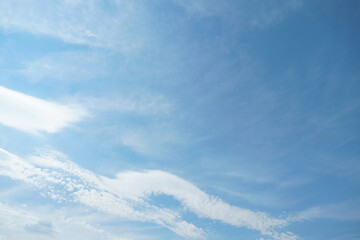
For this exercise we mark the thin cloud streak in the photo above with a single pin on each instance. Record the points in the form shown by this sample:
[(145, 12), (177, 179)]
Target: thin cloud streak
[(34, 115), (75, 22), (142, 104), (343, 211), (67, 66), (266, 13), (63, 180)]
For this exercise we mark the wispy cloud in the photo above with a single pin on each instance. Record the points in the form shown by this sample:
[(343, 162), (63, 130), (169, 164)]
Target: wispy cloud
[(76, 22), (33, 115), (152, 141), (142, 103), (128, 192), (262, 198), (344, 211), (348, 237), (123, 24), (261, 14), (271, 13), (18, 223), (261, 172), (67, 66), (15, 219)]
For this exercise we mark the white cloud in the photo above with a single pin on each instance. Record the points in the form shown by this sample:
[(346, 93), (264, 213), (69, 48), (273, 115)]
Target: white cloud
[(142, 184), (15, 219), (62, 180), (34, 115), (20, 223)]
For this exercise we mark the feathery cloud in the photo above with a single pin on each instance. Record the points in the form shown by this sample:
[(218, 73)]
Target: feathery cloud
[(75, 22)]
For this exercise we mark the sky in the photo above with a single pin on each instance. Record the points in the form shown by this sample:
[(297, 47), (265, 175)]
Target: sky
[(180, 119)]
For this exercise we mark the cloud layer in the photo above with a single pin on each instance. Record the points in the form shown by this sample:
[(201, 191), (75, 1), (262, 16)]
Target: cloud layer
[(128, 194)]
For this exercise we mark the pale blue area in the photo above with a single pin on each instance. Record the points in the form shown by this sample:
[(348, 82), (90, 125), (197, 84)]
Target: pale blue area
[(266, 117)]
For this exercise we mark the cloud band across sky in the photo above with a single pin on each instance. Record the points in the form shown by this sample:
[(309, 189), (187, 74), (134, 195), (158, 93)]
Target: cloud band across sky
[(62, 180)]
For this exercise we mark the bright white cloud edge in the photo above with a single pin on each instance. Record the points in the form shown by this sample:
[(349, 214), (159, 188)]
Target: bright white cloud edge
[(127, 195), (34, 115)]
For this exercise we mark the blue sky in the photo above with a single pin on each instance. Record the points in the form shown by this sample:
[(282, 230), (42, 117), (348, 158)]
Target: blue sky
[(179, 119)]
